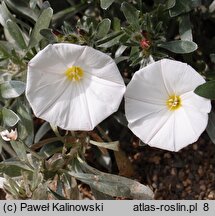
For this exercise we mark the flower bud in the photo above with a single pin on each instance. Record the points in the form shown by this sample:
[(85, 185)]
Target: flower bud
[(8, 136), (145, 44)]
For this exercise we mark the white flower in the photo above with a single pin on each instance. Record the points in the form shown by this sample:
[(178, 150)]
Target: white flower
[(161, 107), (8, 136), (73, 87)]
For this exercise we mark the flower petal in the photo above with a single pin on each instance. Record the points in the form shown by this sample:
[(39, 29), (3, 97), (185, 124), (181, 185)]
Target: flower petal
[(155, 129), (193, 101), (70, 110), (179, 77), (147, 85), (42, 93), (103, 97), (4, 134), (189, 124), (100, 65), (89, 102), (47, 60), (70, 54), (90, 60), (164, 138), (136, 109)]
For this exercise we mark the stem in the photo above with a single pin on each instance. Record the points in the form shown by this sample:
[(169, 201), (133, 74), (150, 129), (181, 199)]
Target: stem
[(104, 134), (44, 142)]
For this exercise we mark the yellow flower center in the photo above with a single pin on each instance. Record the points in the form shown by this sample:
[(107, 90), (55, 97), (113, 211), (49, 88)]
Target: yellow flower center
[(173, 102), (74, 73)]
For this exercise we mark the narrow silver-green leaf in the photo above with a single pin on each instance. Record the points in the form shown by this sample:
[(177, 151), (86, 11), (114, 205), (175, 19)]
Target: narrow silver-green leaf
[(5, 14), (131, 14), (56, 195), (206, 90), (170, 3), (103, 28), (22, 7), (49, 35), (43, 22), (105, 4), (185, 30), (16, 33), (20, 149), (42, 131), (32, 3), (12, 89), (25, 126), (212, 57), (110, 145), (179, 46), (9, 117), (116, 24), (120, 50), (5, 49), (181, 6), (113, 41), (110, 184), (12, 186), (41, 192), (13, 167)]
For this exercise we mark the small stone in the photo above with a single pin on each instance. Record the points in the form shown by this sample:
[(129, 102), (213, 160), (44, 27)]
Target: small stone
[(185, 183), (190, 176), (202, 193), (167, 155), (135, 144), (181, 174), (195, 147), (173, 171), (202, 187), (161, 185), (189, 182), (155, 160), (200, 171), (211, 195), (184, 194), (179, 186), (155, 178), (189, 190), (137, 156), (154, 185)]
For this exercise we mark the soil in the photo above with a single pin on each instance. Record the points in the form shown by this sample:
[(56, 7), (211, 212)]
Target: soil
[(2, 194), (187, 174)]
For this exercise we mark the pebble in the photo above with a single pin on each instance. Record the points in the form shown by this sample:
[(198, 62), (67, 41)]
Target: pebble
[(200, 171), (167, 155), (202, 187), (173, 171), (211, 195), (195, 147), (137, 156)]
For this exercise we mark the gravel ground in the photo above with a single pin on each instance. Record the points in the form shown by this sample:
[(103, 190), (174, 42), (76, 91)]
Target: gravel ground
[(187, 174)]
